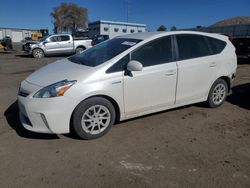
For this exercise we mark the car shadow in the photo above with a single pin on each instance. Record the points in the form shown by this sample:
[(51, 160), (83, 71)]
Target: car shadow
[(240, 96), (6, 52), (12, 117), (24, 55), (73, 134)]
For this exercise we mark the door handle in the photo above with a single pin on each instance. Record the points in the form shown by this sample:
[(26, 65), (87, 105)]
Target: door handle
[(170, 73), (212, 64), (117, 82)]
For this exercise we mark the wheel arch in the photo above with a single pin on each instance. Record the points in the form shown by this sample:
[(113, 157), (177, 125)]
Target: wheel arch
[(38, 48), (81, 46), (227, 80), (113, 102), (110, 99)]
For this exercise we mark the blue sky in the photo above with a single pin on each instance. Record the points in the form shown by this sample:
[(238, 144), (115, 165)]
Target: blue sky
[(181, 13)]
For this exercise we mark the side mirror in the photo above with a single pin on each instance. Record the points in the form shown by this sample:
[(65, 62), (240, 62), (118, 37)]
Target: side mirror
[(134, 66), (45, 42)]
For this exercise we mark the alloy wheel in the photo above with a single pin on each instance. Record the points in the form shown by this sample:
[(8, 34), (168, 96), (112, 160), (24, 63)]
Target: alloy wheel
[(95, 119), (38, 54), (219, 94)]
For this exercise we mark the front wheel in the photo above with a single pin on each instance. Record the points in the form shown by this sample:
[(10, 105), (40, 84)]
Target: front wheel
[(217, 94), (93, 118), (38, 53)]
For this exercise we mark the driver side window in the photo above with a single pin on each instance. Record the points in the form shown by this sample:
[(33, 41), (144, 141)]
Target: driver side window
[(53, 39), (155, 52)]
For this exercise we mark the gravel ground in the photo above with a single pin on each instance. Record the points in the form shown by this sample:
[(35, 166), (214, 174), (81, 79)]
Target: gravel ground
[(192, 146)]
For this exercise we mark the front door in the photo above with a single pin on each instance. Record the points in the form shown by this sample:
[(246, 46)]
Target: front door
[(52, 46), (153, 88)]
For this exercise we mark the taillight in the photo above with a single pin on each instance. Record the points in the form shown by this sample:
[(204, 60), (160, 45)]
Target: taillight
[(230, 38)]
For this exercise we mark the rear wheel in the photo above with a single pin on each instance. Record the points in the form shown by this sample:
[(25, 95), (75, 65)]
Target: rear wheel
[(80, 50), (38, 53), (93, 118), (217, 94)]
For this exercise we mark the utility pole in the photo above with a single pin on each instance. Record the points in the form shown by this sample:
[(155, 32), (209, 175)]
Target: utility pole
[(128, 10)]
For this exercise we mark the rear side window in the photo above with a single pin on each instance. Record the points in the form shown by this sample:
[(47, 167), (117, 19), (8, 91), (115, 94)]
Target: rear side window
[(65, 38), (216, 45), (53, 39), (192, 46), (156, 52)]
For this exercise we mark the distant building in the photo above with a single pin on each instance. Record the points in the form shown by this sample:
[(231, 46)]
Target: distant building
[(236, 27), (16, 34), (114, 29)]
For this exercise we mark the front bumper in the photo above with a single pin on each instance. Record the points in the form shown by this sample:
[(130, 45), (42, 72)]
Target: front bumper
[(26, 49), (46, 115)]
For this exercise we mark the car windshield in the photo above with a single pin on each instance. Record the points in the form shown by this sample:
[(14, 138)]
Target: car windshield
[(103, 52)]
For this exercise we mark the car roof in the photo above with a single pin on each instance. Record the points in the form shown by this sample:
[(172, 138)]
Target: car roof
[(149, 35)]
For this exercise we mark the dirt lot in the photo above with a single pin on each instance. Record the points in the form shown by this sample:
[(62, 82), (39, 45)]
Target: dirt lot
[(193, 146)]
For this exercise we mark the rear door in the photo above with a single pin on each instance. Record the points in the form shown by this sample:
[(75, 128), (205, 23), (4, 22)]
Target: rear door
[(65, 44), (196, 68)]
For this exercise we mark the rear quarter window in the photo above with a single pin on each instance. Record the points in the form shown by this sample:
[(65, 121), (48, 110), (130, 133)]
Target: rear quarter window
[(216, 45), (65, 38), (192, 46)]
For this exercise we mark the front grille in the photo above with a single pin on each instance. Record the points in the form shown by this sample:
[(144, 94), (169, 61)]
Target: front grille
[(23, 94), (26, 47)]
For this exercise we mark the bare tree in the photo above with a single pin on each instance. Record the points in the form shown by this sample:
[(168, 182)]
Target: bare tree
[(69, 17)]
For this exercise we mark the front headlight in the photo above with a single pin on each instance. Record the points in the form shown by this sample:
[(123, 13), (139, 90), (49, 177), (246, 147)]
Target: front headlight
[(54, 90)]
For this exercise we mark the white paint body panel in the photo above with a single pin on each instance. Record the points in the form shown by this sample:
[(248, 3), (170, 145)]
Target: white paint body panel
[(193, 81), (151, 88)]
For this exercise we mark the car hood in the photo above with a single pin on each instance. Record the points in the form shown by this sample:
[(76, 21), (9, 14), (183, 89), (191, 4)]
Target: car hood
[(31, 42), (58, 71), (27, 42)]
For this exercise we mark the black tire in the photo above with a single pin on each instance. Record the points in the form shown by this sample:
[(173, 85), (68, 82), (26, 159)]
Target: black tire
[(85, 110), (218, 93), (38, 53), (80, 49)]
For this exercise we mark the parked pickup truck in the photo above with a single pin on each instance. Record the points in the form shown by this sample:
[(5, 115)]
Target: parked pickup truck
[(56, 44)]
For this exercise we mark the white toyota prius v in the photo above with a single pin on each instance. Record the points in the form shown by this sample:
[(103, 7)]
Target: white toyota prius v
[(126, 77)]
